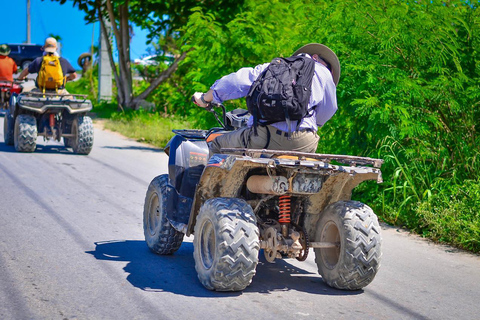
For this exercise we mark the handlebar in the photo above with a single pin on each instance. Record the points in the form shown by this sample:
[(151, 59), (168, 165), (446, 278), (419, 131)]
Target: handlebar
[(211, 108), (14, 81)]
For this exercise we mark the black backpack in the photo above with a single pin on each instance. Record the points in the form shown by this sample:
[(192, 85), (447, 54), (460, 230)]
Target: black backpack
[(282, 91)]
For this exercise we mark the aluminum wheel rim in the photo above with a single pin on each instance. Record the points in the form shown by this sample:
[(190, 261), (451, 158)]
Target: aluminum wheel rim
[(153, 219), (74, 139), (15, 135), (207, 244), (330, 233)]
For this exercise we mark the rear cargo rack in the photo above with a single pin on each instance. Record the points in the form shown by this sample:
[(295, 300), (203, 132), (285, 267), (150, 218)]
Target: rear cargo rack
[(51, 97), (327, 158)]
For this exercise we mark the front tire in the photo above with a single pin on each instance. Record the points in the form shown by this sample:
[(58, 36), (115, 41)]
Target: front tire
[(160, 236), (82, 129), (355, 262), (25, 133), (8, 128), (226, 244)]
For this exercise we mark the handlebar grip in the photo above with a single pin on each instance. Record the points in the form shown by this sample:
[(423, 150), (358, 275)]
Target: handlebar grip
[(209, 106)]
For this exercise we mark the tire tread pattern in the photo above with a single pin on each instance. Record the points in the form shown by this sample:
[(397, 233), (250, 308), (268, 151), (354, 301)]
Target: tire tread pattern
[(167, 239), (8, 128), (237, 239), (27, 133), (361, 247), (84, 136)]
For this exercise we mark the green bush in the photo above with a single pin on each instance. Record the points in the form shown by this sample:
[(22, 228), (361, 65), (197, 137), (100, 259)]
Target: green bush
[(409, 93), (453, 215)]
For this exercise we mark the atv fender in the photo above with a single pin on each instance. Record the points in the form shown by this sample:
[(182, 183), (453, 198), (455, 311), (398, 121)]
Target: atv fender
[(178, 209), (225, 176)]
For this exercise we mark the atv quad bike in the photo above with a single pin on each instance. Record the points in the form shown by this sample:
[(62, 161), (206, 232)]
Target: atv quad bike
[(6, 90), (51, 115), (244, 200)]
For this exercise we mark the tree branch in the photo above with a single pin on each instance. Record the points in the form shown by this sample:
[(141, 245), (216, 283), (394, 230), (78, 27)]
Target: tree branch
[(163, 76)]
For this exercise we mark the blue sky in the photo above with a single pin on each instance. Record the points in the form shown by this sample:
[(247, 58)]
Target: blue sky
[(66, 21)]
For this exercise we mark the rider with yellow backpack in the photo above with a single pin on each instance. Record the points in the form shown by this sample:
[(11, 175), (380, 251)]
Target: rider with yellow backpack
[(53, 70)]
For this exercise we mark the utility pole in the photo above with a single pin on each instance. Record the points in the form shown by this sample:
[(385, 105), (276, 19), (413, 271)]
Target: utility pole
[(104, 68), (29, 39)]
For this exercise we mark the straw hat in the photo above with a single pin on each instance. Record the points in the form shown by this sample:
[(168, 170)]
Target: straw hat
[(326, 54), (50, 45), (4, 50)]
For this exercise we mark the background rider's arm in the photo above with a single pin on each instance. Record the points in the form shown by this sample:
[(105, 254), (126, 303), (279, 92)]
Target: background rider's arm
[(23, 74), (71, 76), (68, 69)]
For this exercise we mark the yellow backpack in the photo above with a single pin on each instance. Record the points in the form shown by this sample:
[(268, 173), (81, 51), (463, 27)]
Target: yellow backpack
[(50, 75)]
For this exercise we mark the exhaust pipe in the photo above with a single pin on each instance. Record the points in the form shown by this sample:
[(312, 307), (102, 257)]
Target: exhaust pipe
[(267, 185)]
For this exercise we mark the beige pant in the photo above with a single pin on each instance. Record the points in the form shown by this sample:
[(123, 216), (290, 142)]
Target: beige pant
[(300, 141)]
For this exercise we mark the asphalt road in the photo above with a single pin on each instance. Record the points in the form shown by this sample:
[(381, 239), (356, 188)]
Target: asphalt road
[(72, 247)]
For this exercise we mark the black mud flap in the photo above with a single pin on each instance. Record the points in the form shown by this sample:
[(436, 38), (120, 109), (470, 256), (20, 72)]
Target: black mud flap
[(178, 209)]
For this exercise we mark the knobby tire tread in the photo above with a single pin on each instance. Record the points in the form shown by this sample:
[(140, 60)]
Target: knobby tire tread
[(360, 252), (167, 239), (26, 133), (237, 244), (84, 141)]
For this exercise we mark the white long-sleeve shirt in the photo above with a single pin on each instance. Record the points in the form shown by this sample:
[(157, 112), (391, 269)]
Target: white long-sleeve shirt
[(323, 98)]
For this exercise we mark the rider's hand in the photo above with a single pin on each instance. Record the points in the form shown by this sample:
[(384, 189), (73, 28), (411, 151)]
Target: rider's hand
[(198, 99)]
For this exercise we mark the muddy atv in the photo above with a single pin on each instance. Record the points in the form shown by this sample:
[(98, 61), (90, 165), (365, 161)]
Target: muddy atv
[(52, 116), (244, 200)]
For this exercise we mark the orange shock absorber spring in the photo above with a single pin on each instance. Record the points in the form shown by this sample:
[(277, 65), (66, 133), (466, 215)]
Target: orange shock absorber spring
[(52, 120), (284, 208)]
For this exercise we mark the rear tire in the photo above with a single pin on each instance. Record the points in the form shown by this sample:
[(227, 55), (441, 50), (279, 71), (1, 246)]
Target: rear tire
[(160, 236), (8, 128), (25, 133), (66, 142), (226, 244), (354, 264), (82, 129)]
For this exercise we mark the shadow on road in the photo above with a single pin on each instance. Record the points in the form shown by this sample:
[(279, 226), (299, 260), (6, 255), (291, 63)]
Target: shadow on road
[(134, 148), (176, 273), (40, 149)]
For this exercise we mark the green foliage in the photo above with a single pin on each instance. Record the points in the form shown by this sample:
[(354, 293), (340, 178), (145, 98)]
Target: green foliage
[(87, 84), (409, 93), (147, 127), (409, 90), (453, 215)]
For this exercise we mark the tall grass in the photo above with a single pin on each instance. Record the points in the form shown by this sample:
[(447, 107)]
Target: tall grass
[(153, 128), (430, 197)]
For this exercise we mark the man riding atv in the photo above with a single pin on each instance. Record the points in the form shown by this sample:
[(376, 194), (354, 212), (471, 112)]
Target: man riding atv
[(49, 110), (7, 66), (61, 73), (321, 104), (263, 187)]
